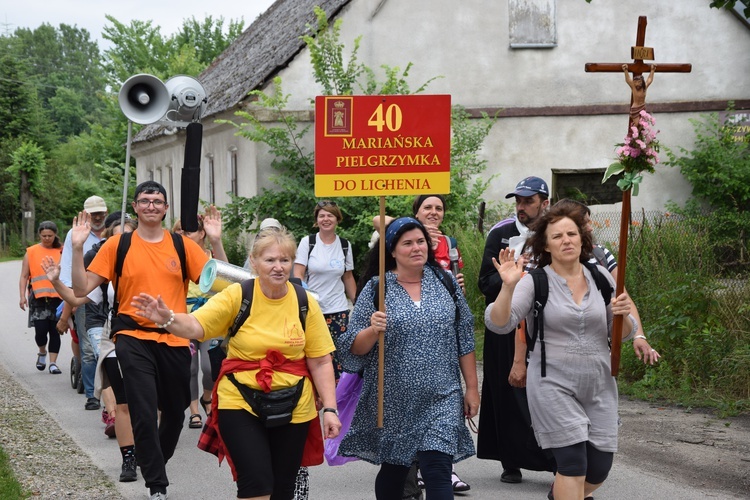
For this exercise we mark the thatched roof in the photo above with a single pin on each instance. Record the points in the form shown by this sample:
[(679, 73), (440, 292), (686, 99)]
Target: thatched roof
[(268, 45)]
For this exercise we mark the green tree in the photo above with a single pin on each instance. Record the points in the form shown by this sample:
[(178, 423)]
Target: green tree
[(65, 65), (140, 47), (29, 167), (207, 37)]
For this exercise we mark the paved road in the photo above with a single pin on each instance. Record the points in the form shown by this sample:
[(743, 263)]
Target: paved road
[(195, 474)]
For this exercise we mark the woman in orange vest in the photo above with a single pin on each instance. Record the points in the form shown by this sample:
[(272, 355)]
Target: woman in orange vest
[(42, 297)]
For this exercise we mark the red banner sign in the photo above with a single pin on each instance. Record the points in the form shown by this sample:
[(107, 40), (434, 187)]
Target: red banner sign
[(382, 145)]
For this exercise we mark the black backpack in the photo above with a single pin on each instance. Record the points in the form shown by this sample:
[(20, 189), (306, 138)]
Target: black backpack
[(218, 350), (123, 321), (541, 293)]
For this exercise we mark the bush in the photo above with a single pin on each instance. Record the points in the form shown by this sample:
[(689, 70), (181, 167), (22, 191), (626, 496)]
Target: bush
[(690, 314)]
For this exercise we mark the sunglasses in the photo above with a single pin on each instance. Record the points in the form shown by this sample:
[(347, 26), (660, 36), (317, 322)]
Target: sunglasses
[(326, 203)]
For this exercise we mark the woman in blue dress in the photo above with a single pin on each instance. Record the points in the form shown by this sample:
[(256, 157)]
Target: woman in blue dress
[(429, 345)]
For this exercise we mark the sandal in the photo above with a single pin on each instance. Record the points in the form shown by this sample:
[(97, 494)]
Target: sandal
[(459, 485), (206, 404), (41, 361), (196, 422), (53, 369)]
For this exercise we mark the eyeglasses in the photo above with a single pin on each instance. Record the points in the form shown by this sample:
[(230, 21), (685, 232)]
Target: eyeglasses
[(326, 203), (144, 203)]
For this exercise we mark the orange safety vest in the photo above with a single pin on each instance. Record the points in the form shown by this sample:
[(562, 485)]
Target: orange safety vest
[(40, 285)]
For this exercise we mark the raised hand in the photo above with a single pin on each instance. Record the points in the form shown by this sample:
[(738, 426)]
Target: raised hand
[(50, 268), (81, 229), (510, 270), (435, 235), (212, 222)]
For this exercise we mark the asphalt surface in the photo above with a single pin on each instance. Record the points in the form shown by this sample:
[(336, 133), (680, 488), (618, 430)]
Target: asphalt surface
[(196, 475)]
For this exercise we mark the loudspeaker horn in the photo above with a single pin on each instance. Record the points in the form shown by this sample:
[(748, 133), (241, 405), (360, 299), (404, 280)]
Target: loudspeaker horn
[(144, 99), (188, 99)]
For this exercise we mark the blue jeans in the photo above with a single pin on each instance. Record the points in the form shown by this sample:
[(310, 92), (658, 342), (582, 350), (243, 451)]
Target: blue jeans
[(88, 355), (95, 337)]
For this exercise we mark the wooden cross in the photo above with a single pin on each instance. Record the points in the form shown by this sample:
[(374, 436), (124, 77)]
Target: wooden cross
[(639, 53)]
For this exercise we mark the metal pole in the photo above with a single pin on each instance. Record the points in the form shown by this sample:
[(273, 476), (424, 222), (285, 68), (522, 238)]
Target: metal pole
[(127, 175)]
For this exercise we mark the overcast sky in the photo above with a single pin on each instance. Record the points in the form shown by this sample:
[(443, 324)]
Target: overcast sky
[(89, 14)]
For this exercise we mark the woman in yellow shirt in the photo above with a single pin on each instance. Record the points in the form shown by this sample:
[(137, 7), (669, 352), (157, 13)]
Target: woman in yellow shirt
[(271, 351)]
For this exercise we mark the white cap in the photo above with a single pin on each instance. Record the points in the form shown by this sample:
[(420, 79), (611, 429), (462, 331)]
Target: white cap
[(94, 204), (270, 222)]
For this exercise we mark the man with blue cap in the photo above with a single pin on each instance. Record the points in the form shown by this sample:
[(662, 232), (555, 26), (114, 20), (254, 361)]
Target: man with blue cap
[(505, 432)]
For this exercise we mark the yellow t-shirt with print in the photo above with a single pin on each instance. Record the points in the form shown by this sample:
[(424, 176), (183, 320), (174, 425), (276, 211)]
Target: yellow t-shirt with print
[(272, 324)]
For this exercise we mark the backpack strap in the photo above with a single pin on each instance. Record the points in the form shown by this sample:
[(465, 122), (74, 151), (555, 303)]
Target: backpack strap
[(122, 322), (442, 276), (541, 293), (179, 246), (602, 283), (345, 248), (122, 251), (311, 240), (248, 288)]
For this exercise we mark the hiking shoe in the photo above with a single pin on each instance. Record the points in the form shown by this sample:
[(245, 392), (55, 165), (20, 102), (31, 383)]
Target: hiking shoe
[(92, 404), (128, 474)]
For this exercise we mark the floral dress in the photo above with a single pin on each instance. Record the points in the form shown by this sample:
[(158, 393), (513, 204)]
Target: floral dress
[(423, 398)]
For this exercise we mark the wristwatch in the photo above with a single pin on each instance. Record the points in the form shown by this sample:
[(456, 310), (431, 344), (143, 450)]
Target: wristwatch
[(331, 410)]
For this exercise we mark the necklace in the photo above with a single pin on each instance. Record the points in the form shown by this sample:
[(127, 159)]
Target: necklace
[(408, 282)]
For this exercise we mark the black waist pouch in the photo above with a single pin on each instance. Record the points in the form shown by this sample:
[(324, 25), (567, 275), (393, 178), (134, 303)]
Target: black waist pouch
[(273, 408)]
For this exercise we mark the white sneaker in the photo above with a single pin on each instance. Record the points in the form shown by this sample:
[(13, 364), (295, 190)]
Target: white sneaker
[(155, 496)]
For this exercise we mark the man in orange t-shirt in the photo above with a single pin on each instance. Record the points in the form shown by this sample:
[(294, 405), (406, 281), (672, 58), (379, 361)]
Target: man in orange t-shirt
[(155, 364)]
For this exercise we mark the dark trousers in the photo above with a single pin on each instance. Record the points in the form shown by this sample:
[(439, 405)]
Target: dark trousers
[(436, 471), (266, 460), (155, 376)]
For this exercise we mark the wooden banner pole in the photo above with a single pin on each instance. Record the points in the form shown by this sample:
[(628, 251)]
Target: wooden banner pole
[(381, 302)]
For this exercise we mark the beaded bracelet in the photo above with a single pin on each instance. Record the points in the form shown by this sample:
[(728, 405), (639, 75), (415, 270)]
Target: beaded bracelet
[(171, 320)]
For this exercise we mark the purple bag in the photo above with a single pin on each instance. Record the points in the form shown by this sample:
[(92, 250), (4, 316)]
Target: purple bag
[(347, 395)]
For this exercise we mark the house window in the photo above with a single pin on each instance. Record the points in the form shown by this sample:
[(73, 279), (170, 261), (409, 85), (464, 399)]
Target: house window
[(532, 24), (584, 185), (211, 178), (233, 171)]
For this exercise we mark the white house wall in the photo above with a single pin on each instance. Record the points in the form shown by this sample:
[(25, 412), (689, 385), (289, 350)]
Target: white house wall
[(466, 43)]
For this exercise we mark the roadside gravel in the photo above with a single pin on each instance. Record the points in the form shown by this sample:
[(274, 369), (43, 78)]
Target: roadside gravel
[(44, 458), (692, 447)]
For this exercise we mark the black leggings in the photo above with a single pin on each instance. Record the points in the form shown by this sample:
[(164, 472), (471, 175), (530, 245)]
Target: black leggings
[(43, 327), (436, 472), (266, 460), (582, 459)]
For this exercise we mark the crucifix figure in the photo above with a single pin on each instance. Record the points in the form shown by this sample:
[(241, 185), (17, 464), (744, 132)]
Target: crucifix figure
[(638, 87)]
